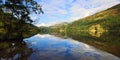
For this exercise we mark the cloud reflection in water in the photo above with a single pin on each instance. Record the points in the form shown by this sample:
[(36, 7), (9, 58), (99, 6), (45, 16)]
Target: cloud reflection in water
[(55, 48)]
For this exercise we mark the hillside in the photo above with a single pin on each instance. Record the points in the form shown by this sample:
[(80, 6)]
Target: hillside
[(104, 21), (113, 11), (108, 20)]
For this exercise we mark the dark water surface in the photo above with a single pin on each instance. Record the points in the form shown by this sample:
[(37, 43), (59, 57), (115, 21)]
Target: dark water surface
[(49, 47)]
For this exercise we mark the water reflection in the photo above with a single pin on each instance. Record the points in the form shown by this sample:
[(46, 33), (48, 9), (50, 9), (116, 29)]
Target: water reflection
[(108, 41), (14, 51), (53, 48)]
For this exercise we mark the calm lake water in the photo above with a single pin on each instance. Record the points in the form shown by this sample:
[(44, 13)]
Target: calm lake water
[(49, 47)]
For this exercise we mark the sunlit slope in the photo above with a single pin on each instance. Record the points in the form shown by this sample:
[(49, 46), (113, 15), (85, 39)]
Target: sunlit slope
[(102, 21), (113, 11)]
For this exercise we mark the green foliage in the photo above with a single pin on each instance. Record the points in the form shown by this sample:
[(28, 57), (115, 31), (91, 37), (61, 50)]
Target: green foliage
[(59, 28), (15, 22), (43, 30)]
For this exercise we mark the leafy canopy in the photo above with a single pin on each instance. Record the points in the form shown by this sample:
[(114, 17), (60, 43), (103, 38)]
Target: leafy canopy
[(21, 9)]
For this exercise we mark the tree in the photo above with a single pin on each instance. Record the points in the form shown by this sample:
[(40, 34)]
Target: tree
[(20, 9)]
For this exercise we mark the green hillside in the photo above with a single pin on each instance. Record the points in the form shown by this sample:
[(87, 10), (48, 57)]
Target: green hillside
[(104, 21), (108, 20)]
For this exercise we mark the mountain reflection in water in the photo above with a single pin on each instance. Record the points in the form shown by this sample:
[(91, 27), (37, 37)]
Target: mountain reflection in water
[(54, 48)]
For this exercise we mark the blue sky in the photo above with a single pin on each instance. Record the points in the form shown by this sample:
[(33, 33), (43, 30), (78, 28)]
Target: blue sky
[(58, 11)]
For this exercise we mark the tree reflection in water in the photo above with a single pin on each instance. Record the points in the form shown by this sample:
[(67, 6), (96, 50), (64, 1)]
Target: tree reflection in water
[(14, 50)]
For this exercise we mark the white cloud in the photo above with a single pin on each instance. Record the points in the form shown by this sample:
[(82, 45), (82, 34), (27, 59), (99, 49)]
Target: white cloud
[(42, 24)]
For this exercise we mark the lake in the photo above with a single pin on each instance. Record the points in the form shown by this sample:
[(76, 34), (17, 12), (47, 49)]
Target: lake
[(50, 47)]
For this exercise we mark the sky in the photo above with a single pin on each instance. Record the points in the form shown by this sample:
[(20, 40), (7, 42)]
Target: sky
[(58, 11)]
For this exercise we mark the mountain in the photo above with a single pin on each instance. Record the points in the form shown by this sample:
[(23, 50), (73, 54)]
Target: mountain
[(108, 20), (59, 28)]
